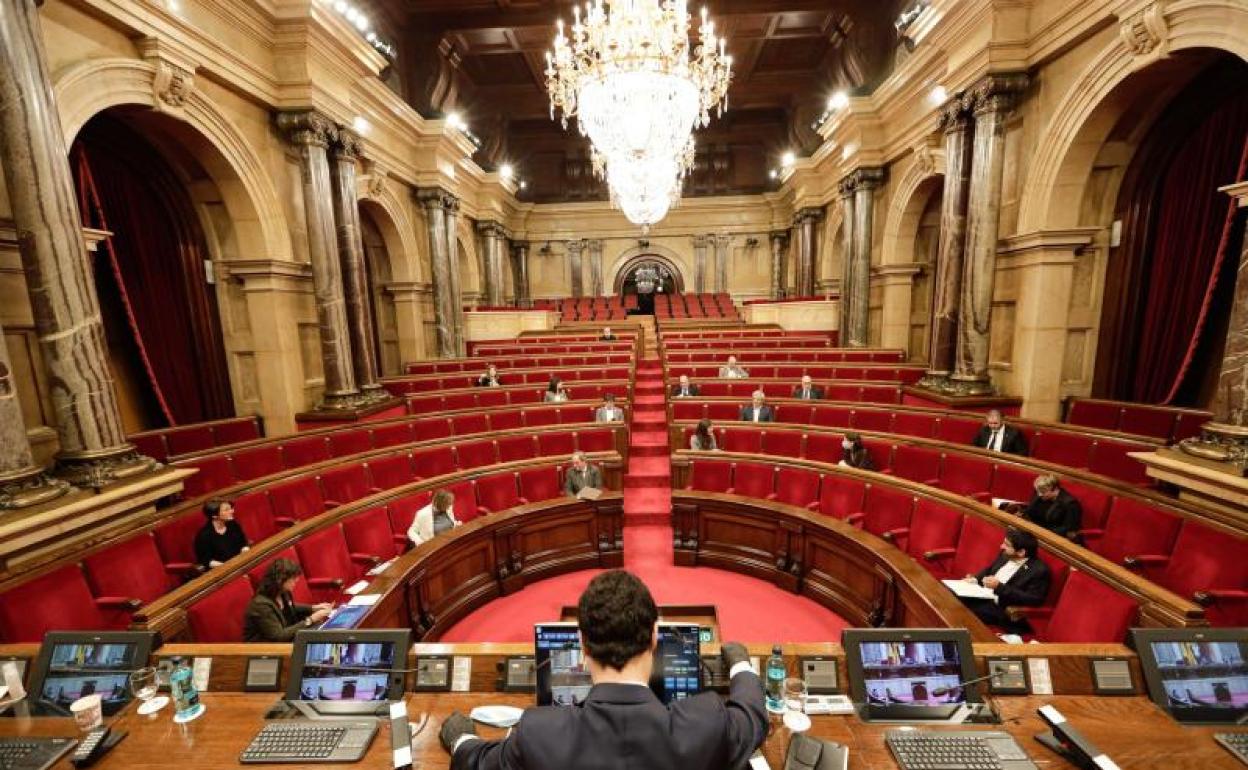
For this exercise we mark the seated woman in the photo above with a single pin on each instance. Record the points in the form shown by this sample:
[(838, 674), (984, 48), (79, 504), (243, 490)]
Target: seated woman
[(490, 379), (703, 438), (1054, 508), (732, 370), (855, 454), (221, 538), (272, 615), (555, 392), (434, 519)]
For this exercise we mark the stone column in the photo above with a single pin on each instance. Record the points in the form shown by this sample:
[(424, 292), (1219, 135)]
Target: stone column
[(897, 287), (577, 265), (779, 245), (520, 264), (992, 99), (311, 134), (356, 291), (409, 301), (722, 245), (54, 258), (947, 280), (595, 267), (435, 202), (22, 483), (807, 222), (865, 181), (1225, 438), (452, 258), (700, 245), (494, 242), (846, 191)]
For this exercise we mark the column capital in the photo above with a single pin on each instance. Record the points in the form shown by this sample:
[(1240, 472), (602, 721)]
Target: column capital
[(519, 245), (576, 245), (492, 229), (347, 145), (437, 198), (779, 235), (306, 128), (702, 241), (998, 93), (808, 214), (867, 178), (955, 115)]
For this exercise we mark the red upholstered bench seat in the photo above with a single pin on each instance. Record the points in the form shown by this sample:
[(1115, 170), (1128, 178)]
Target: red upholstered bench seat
[(164, 443)]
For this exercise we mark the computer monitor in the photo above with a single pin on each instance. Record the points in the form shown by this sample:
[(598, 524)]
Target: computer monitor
[(1195, 675), (563, 677), (72, 664), (345, 616), (348, 672), (910, 673)]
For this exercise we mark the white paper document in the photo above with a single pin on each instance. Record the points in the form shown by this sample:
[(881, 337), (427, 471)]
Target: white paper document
[(364, 600), (355, 588), (969, 590)]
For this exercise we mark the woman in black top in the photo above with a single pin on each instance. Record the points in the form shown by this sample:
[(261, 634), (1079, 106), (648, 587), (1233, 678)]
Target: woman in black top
[(272, 615), (1054, 508), (703, 438), (221, 538), (855, 454)]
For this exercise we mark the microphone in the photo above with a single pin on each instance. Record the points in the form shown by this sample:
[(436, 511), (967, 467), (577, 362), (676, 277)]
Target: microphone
[(940, 691)]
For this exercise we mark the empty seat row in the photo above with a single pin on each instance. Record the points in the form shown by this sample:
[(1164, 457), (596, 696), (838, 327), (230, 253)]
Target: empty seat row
[(512, 363), (429, 383), (184, 439), (529, 397), (747, 343), (741, 331), (572, 343), (948, 542), (1052, 442), (813, 355), (906, 375), (1170, 424)]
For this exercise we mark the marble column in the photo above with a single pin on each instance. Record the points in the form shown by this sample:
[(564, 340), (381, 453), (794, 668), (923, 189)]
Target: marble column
[(1225, 438), (992, 100), (846, 192), (723, 243), (701, 243), (494, 246), (576, 263), (520, 266), (866, 181), (947, 281), (456, 289), (595, 267), (93, 447), (357, 293), (435, 202), (807, 222), (779, 245), (311, 134), (22, 483)]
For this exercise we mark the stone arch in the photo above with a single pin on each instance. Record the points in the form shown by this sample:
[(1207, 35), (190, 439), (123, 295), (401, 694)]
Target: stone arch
[(831, 259), (901, 224), (1092, 106), (630, 257), (650, 254), (398, 231)]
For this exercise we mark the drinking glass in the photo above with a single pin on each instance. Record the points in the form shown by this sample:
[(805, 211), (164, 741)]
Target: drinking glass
[(144, 683), (795, 705)]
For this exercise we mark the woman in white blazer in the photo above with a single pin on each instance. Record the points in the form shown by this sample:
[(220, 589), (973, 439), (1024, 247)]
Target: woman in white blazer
[(434, 519)]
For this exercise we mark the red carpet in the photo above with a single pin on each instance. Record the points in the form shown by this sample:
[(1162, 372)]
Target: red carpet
[(749, 610)]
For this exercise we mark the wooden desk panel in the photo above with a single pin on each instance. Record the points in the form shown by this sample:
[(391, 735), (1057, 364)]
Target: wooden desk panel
[(1130, 730)]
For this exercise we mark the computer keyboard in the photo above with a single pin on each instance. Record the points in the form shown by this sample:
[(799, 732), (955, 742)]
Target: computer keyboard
[(1236, 743), (931, 750), (32, 753), (311, 741)]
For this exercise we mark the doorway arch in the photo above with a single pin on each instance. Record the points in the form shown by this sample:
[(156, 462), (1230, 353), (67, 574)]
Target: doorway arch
[(624, 274)]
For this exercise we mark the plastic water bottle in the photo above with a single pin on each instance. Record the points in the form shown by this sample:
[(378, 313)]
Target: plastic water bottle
[(775, 681), (185, 697)]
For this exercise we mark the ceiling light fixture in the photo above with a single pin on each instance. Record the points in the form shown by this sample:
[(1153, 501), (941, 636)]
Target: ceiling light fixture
[(788, 159), (938, 95), (358, 19), (506, 171), (838, 101)]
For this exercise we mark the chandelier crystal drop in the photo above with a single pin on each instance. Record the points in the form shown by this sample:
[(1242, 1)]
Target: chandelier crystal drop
[(626, 70)]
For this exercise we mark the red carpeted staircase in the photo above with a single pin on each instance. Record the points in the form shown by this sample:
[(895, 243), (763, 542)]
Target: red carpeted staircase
[(648, 481)]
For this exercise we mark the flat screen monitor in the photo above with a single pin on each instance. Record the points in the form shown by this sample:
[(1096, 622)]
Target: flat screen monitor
[(910, 673), (1195, 675), (345, 616), (348, 672), (563, 676), (72, 664)]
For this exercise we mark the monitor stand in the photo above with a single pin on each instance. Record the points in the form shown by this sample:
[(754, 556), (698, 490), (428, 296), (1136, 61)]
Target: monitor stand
[(952, 714), (327, 709)]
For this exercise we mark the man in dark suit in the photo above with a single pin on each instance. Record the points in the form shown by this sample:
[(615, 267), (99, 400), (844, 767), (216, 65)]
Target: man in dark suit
[(581, 476), (999, 437), (1018, 577), (1054, 508), (685, 388), (621, 724), (808, 391), (757, 411)]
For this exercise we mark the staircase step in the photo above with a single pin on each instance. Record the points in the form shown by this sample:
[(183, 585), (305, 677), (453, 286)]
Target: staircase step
[(648, 450)]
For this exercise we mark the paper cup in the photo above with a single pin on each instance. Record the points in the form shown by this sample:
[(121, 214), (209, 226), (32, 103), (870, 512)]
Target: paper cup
[(88, 712)]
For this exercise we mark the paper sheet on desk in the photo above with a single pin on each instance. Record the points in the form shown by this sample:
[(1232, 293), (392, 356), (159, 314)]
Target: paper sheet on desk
[(969, 590), (364, 600)]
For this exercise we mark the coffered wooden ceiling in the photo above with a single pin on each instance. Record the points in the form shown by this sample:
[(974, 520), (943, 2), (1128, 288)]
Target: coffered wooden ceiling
[(485, 59)]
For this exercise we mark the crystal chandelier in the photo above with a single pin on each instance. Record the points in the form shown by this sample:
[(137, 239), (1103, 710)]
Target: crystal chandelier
[(638, 89)]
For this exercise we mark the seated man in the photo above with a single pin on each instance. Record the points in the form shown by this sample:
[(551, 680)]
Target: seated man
[(621, 724), (685, 388), (732, 370), (221, 538), (581, 476), (434, 519), (999, 437), (1018, 577), (607, 334), (757, 411), (1054, 508), (807, 391), (609, 412), (490, 378)]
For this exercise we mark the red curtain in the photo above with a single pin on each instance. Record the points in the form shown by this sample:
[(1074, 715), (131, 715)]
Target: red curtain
[(1190, 243), (156, 260)]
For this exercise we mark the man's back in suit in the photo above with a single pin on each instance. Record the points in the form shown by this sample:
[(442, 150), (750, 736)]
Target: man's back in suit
[(813, 393), (625, 727)]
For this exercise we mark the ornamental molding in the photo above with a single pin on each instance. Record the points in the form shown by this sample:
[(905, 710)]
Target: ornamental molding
[(1144, 31)]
